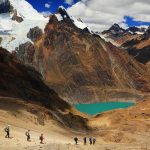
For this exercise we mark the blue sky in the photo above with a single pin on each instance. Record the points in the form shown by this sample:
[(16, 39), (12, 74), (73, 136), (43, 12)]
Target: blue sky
[(131, 22), (40, 5), (125, 13)]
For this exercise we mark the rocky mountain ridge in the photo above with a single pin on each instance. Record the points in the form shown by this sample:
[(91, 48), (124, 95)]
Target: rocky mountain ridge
[(118, 36)]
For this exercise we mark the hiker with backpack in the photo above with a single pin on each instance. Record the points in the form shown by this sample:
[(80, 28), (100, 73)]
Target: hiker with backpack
[(41, 138), (94, 141), (28, 135), (90, 140), (76, 140), (84, 140), (7, 130)]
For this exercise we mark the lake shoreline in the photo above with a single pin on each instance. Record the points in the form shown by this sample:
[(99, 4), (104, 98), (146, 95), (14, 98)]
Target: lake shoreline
[(101, 107)]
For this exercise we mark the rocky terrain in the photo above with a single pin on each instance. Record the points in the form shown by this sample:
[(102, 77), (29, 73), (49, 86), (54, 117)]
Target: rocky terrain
[(80, 65), (22, 82)]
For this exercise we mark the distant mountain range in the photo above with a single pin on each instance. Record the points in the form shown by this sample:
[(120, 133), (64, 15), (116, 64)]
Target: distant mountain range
[(135, 40)]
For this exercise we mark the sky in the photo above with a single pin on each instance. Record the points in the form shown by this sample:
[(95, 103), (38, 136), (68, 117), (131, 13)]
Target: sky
[(101, 14), (51, 5)]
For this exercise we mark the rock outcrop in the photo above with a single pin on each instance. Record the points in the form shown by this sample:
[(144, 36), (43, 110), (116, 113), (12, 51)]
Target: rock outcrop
[(5, 6), (25, 52), (35, 34), (15, 16)]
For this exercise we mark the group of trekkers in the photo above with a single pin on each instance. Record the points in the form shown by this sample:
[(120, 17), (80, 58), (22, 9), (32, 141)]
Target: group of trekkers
[(27, 133), (92, 141)]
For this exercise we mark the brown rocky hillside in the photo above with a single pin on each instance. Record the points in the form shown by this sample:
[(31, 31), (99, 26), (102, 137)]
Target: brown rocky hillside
[(81, 66)]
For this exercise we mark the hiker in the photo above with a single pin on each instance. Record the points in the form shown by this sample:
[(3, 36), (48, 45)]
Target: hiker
[(28, 135), (41, 139), (76, 140), (84, 140), (7, 130), (94, 140), (90, 139)]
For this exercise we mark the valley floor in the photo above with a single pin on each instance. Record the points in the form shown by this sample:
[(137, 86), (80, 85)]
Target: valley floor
[(57, 137)]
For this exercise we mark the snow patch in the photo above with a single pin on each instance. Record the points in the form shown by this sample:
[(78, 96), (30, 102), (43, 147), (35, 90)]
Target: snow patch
[(76, 22), (59, 17), (104, 37), (25, 10), (139, 33)]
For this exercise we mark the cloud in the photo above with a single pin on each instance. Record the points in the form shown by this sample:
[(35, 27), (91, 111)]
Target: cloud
[(69, 2), (47, 5), (100, 15), (45, 13)]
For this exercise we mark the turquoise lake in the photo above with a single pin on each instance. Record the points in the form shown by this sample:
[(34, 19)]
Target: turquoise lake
[(96, 108)]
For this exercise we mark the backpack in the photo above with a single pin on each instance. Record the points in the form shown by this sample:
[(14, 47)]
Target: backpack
[(27, 134), (40, 138), (6, 129)]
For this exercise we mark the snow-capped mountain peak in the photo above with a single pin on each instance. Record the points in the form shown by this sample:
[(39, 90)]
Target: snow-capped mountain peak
[(16, 22), (25, 10), (116, 29)]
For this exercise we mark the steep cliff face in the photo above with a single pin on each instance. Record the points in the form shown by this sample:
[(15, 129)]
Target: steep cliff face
[(81, 66)]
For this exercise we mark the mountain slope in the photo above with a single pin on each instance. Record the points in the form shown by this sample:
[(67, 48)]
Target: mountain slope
[(24, 83), (125, 125), (139, 47), (80, 65)]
